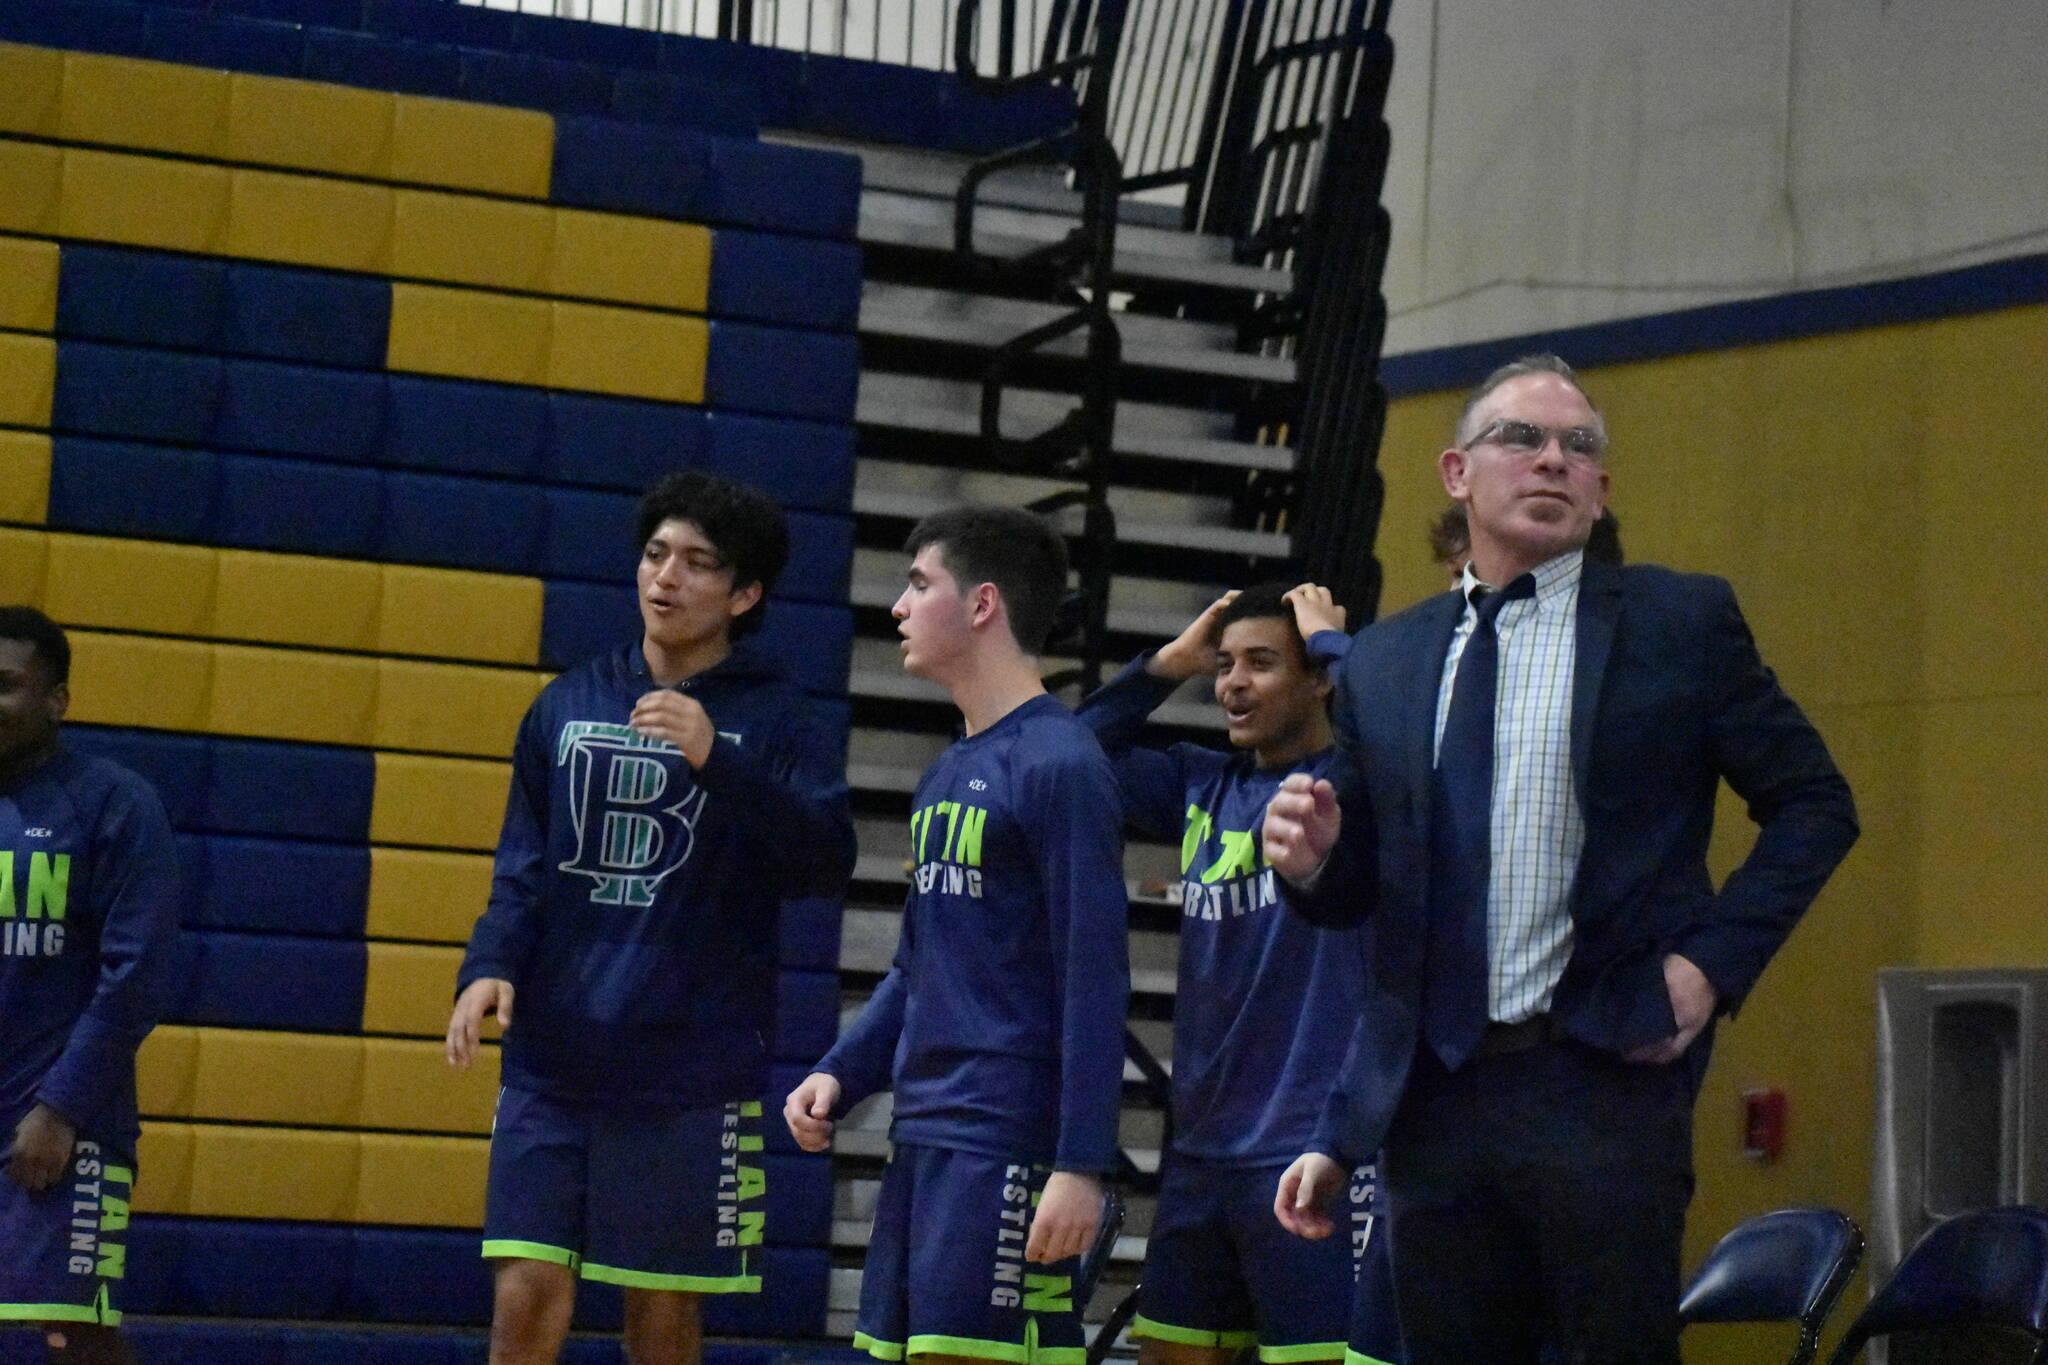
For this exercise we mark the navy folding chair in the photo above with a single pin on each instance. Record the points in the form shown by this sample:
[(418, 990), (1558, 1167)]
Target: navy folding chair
[(1987, 1269), (1789, 1265)]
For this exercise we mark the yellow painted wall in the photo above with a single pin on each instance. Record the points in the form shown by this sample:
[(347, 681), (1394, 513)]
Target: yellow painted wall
[(1877, 500)]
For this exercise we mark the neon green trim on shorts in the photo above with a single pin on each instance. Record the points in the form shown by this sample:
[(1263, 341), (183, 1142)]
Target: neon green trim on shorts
[(880, 1350), (530, 1251), (1309, 1350), (100, 1311), (1014, 1353), (1142, 1326), (691, 1284), (1360, 1358)]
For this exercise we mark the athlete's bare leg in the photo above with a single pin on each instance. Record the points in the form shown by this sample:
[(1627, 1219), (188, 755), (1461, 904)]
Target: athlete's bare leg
[(530, 1311), (662, 1328)]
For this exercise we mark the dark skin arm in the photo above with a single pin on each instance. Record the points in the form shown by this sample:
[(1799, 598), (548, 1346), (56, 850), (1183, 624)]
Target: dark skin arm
[(42, 1149)]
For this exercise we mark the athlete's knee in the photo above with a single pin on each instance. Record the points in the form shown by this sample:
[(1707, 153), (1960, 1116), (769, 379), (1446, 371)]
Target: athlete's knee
[(662, 1327), (532, 1291), (1152, 1351), (86, 1344)]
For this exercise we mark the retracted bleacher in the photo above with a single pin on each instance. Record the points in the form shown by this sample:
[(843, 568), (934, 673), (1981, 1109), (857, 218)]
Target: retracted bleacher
[(323, 405)]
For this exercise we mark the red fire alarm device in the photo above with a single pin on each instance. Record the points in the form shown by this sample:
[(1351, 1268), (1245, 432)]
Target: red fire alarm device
[(1763, 1123)]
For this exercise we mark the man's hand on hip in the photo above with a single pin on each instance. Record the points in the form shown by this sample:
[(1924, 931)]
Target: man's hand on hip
[(1692, 1005)]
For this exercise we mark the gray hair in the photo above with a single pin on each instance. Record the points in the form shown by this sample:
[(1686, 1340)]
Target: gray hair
[(1542, 362)]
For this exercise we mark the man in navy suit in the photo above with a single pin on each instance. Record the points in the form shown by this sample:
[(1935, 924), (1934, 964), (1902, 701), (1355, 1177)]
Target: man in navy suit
[(1522, 808)]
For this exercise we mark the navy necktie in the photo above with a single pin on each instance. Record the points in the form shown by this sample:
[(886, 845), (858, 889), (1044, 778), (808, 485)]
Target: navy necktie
[(1454, 992)]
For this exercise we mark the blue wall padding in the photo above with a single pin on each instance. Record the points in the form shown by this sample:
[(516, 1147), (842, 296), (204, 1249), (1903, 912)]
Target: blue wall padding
[(311, 791), (320, 13), (602, 164), (441, 22), (728, 108), (300, 410), (820, 558), (789, 189), (781, 371), (783, 1077), (798, 463), (583, 620), (118, 488), (274, 981), (621, 442), (460, 426), (299, 507), (92, 27), (468, 523), (223, 1267), (814, 642), (804, 283), (205, 1343), (373, 63), (147, 297), (872, 101), (530, 82), (971, 121), (281, 886), (806, 1015), (799, 1192), (791, 1302), (810, 934), (417, 1275), (124, 391), (581, 41), (259, 46), (776, 74), (589, 535), (309, 315), (179, 766)]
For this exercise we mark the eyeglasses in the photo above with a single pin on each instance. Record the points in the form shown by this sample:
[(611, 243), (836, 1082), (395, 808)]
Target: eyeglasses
[(1526, 438)]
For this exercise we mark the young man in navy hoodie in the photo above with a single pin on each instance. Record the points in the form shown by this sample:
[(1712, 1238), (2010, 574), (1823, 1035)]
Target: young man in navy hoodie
[(88, 911), (665, 799), (1252, 1049), (1001, 1024)]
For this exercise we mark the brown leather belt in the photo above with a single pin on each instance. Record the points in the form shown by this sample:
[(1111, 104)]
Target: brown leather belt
[(1500, 1040)]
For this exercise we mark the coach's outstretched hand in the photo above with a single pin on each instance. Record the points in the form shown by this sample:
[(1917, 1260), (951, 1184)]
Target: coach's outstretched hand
[(808, 1111), (1302, 1203), (1302, 821), (1069, 1211), (485, 996)]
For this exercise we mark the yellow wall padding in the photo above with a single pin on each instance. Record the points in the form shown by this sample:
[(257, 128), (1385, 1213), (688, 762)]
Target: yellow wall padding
[(451, 708), (422, 1181), (297, 600), (155, 106), (144, 201), (24, 563), (469, 335), (409, 988), (631, 260), (308, 126), (452, 803), (467, 240), (31, 183), (31, 89), (293, 694), (425, 894), (252, 1172), (28, 284), (163, 1168), (459, 614), (307, 221), (24, 469), (130, 585), (259, 1076), (624, 351), (133, 680), (165, 1067), (28, 377), (408, 1084), (472, 147)]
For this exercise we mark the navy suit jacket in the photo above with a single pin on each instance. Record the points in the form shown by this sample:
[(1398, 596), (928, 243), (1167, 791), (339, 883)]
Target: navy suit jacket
[(1669, 697)]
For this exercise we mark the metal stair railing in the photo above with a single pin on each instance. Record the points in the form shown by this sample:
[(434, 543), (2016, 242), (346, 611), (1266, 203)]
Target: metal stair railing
[(1079, 51)]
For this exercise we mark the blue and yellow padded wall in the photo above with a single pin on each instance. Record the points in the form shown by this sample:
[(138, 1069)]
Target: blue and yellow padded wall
[(322, 414)]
